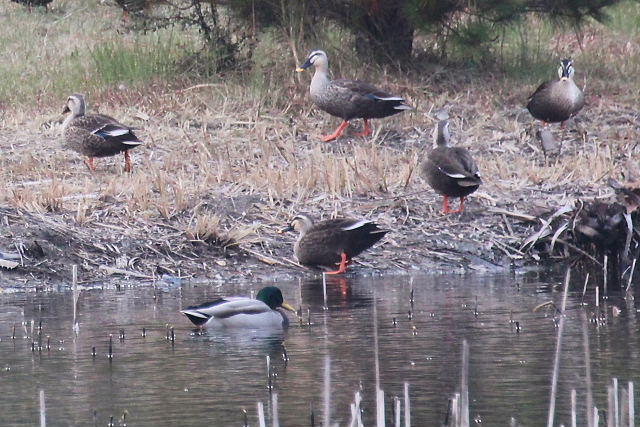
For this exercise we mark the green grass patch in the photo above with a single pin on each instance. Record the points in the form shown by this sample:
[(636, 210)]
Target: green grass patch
[(116, 62)]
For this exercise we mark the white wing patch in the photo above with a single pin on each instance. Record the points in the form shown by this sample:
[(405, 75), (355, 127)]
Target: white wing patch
[(356, 224), (195, 313), (402, 107), (390, 98), (113, 132), (452, 175)]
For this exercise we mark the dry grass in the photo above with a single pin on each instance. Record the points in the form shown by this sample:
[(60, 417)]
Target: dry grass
[(230, 163)]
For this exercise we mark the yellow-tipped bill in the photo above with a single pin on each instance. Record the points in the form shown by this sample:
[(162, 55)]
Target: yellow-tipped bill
[(288, 307), (299, 69)]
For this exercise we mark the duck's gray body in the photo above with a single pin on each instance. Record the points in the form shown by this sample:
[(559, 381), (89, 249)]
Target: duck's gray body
[(450, 171), (557, 100), (96, 135), (348, 99), (241, 312), (353, 99), (322, 244)]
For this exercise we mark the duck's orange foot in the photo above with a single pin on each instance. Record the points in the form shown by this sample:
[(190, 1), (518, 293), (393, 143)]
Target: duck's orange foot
[(89, 163), (366, 131), (128, 167), (337, 133), (344, 260)]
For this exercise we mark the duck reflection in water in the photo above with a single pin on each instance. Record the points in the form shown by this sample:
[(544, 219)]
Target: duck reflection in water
[(342, 292)]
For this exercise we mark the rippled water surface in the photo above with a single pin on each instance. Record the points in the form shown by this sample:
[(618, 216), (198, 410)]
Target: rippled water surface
[(208, 379)]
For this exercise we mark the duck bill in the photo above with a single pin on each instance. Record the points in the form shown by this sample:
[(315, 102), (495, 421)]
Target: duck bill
[(286, 230), (288, 307), (304, 66), (564, 78), (66, 110)]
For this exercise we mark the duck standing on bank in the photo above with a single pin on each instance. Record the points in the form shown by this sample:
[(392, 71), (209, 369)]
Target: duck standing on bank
[(348, 99), (557, 100), (450, 171), (96, 135), (333, 241), (242, 312)]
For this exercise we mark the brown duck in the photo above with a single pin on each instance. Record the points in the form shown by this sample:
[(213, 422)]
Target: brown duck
[(96, 135), (557, 100), (348, 99), (450, 171), (334, 241)]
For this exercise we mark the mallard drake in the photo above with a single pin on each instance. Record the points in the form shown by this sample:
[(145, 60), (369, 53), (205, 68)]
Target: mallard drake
[(557, 100), (96, 135), (348, 99), (450, 171), (242, 312), (333, 241)]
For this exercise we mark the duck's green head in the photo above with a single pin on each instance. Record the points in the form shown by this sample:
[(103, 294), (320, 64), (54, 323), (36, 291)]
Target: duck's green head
[(272, 296)]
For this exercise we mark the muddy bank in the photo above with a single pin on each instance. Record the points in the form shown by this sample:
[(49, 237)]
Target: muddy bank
[(44, 246)]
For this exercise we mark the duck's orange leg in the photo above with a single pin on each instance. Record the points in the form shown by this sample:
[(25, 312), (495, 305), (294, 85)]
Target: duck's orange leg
[(344, 260), (128, 167), (461, 208), (366, 131), (445, 205), (337, 133), (90, 165)]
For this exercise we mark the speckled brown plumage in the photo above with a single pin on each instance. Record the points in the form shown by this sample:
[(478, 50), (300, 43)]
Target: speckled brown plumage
[(557, 100), (450, 171), (323, 244), (96, 135), (348, 99)]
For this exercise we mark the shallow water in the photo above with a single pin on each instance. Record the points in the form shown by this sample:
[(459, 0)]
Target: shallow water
[(208, 379)]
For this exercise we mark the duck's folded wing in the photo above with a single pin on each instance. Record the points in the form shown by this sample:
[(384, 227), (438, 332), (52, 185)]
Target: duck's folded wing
[(224, 308), (365, 90), (117, 132), (457, 164), (542, 88)]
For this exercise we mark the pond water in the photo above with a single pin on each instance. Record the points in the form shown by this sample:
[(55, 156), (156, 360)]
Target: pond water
[(208, 379)]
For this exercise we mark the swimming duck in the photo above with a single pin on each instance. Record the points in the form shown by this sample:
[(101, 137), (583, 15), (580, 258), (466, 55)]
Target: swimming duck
[(450, 171), (333, 241), (348, 99), (241, 312), (96, 135), (557, 100)]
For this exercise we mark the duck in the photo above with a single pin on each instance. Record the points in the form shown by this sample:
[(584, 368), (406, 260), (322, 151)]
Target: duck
[(96, 135), (348, 99), (450, 171), (241, 312), (31, 3), (557, 100), (333, 241), (134, 6)]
